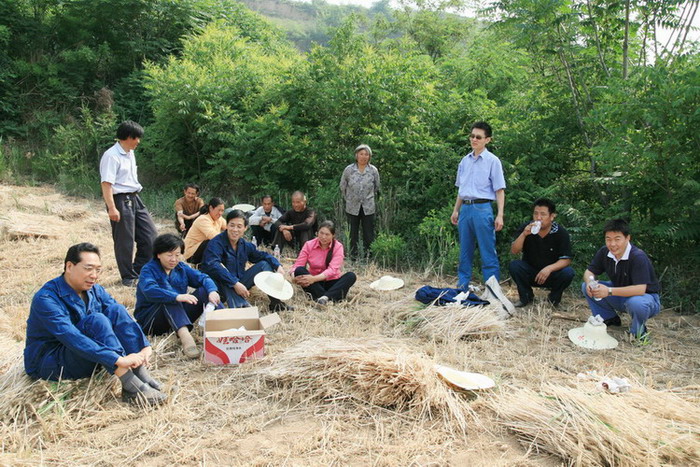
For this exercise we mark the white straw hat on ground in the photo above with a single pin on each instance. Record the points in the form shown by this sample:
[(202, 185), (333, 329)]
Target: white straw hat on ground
[(387, 283), (464, 380), (274, 284), (593, 335), (244, 207)]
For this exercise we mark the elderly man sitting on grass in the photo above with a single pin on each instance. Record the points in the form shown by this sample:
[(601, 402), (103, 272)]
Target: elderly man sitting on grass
[(74, 325)]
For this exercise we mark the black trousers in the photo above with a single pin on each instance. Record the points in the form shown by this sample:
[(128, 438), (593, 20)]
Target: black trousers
[(196, 257), (336, 289), (298, 238), (188, 224), (367, 221), (135, 225), (524, 277), (262, 236)]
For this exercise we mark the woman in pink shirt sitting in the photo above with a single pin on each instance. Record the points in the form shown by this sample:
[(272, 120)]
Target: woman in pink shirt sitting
[(324, 256)]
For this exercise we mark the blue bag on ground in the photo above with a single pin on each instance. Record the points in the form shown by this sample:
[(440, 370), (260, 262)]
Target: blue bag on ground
[(428, 295)]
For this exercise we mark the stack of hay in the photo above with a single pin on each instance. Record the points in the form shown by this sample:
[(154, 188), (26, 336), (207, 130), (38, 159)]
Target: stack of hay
[(452, 323), (18, 225), (378, 371), (585, 427)]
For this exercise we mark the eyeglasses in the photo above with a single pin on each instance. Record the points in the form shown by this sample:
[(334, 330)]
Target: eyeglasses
[(477, 137), (91, 269)]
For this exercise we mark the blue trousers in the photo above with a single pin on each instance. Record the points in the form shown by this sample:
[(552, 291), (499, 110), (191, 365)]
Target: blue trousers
[(524, 276), (115, 331), (236, 301), (639, 307), (476, 225), (162, 318)]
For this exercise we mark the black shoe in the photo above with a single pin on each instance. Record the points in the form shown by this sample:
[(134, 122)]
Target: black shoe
[(554, 302), (129, 282), (520, 304), (281, 306), (614, 321)]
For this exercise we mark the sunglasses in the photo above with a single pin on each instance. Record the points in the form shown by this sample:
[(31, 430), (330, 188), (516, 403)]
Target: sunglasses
[(477, 137)]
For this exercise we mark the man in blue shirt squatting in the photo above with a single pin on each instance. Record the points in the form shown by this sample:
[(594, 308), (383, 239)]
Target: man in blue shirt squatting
[(632, 287), (546, 255), (225, 259), (480, 181), (74, 325)]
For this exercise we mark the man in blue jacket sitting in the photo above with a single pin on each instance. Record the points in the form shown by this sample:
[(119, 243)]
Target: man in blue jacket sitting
[(74, 325), (225, 260)]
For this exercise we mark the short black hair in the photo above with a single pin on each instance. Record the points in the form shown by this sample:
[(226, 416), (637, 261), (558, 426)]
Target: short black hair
[(264, 197), (129, 129), (237, 214), (483, 126), (545, 202), (167, 242), (617, 225), (73, 253), (191, 185)]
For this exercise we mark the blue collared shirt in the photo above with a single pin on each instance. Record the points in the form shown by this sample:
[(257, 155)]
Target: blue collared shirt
[(225, 265), (56, 309), (155, 286), (480, 177)]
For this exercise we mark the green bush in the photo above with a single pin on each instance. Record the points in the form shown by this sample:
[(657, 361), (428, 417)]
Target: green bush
[(390, 250), (440, 241)]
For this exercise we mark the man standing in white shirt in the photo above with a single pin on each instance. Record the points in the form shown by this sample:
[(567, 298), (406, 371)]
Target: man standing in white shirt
[(128, 215)]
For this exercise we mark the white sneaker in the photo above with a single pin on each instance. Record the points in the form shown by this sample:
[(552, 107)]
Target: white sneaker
[(323, 301), (494, 287)]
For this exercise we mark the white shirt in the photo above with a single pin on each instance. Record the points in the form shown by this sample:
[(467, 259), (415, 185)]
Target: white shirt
[(118, 167), (625, 255), (258, 214)]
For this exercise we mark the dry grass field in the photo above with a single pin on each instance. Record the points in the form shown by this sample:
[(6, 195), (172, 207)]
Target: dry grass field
[(350, 384)]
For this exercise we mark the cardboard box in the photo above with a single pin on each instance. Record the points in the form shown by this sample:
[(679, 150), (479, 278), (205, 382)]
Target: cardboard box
[(224, 344)]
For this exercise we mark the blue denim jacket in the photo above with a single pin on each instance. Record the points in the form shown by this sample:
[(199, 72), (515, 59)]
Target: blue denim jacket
[(225, 265), (156, 287), (55, 310)]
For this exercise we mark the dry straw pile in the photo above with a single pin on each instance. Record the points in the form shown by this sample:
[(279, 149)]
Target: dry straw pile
[(645, 427), (383, 372), (451, 323)]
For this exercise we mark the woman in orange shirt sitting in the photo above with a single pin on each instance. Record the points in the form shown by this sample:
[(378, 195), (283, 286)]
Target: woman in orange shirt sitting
[(204, 228)]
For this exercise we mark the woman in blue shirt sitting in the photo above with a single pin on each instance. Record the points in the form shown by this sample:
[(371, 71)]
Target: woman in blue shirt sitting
[(162, 301)]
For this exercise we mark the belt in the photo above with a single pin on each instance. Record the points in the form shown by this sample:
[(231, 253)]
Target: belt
[(476, 201), (126, 194)]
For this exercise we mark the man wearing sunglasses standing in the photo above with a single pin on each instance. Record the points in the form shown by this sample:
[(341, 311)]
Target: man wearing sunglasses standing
[(480, 181)]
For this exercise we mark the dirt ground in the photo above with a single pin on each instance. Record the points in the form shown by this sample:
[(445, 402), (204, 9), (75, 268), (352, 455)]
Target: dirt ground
[(235, 416)]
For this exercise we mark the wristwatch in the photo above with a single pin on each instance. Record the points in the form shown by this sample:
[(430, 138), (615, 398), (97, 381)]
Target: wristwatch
[(609, 291)]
